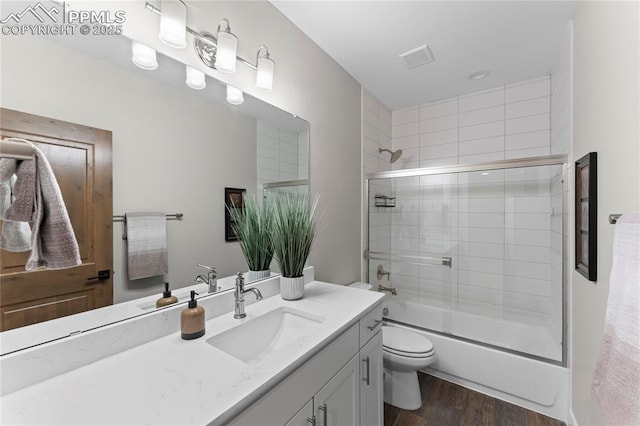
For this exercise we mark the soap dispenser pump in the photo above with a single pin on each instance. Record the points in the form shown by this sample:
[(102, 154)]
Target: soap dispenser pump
[(192, 319), (167, 298)]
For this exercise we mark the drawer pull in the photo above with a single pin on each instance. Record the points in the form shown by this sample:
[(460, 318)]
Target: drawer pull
[(376, 323), (366, 379)]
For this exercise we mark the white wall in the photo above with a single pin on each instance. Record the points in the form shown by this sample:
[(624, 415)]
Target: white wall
[(307, 83), (605, 120), (167, 150)]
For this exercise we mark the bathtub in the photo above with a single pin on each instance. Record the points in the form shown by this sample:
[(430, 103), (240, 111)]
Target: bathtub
[(530, 383)]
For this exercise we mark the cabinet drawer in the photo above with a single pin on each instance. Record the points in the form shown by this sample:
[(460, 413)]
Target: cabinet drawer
[(370, 324)]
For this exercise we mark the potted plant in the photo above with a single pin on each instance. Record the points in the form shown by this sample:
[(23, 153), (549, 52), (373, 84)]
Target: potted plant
[(252, 225), (292, 234)]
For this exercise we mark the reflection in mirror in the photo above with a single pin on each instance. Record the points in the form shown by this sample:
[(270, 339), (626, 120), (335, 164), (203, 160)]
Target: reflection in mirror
[(175, 149)]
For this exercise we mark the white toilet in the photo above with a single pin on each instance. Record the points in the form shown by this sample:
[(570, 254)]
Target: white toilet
[(404, 353)]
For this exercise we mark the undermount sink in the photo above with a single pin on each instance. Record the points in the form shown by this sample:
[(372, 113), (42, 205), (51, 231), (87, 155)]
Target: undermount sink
[(254, 339)]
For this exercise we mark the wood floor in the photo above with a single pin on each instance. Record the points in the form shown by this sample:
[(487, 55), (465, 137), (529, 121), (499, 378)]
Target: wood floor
[(448, 404)]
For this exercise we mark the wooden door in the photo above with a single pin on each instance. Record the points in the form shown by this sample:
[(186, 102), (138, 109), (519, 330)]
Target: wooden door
[(80, 157)]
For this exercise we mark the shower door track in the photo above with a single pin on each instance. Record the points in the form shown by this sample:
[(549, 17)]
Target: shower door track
[(551, 160), (476, 167)]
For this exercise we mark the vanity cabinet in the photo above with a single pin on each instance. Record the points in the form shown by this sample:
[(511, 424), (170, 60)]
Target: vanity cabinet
[(371, 395), (337, 403), (340, 385)]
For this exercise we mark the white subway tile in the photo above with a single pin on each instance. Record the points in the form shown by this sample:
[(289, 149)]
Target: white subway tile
[(484, 115), (481, 205), (481, 220), (527, 221), (530, 123), (521, 92), (482, 146), (370, 132), (408, 129), (480, 131), (527, 140), (406, 115), (438, 124), (488, 235), (412, 141), (369, 101), (438, 151), (481, 279), (538, 271), (433, 162), (439, 137), (475, 249), (524, 153), (528, 107), (267, 130), (530, 237), (527, 286), (439, 109), (528, 253), (475, 264), (385, 114), (477, 294), (481, 158), (479, 100)]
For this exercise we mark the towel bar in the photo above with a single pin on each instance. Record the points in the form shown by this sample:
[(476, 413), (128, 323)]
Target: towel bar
[(123, 218)]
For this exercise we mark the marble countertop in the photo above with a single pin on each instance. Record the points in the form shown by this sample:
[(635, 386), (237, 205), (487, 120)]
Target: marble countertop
[(175, 381)]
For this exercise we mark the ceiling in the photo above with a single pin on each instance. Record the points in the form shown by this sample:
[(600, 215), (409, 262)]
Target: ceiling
[(513, 40)]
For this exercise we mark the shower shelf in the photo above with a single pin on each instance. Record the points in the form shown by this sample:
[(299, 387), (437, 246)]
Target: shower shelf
[(385, 201)]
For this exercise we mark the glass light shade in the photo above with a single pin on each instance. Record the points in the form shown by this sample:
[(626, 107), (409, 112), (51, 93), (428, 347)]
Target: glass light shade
[(234, 96), (173, 22), (143, 56), (264, 75), (195, 78), (226, 52)]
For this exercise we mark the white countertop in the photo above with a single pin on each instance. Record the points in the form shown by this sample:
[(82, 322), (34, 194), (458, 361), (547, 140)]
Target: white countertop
[(175, 381)]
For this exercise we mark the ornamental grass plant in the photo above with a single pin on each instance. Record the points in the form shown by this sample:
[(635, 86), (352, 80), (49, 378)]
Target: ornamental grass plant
[(252, 224), (293, 231)]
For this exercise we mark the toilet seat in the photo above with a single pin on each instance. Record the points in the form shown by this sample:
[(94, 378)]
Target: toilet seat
[(405, 343)]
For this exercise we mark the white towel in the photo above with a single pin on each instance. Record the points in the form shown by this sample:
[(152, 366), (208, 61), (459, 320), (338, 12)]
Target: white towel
[(16, 236), (616, 382), (147, 244)]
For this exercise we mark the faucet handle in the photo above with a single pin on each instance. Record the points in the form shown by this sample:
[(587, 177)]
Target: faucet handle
[(208, 268), (240, 279)]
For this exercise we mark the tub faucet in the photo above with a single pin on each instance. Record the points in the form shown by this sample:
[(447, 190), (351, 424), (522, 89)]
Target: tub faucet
[(391, 290), (211, 279), (239, 296), (381, 273)]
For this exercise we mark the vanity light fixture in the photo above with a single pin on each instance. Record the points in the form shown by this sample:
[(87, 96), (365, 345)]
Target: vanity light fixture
[(220, 51), (143, 56), (234, 95), (227, 48), (195, 78), (173, 23), (264, 72)]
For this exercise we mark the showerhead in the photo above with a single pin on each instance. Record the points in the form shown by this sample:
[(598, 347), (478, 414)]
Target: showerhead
[(395, 155)]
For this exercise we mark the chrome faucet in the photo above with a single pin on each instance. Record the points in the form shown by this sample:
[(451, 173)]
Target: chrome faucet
[(239, 296), (211, 278), (391, 290)]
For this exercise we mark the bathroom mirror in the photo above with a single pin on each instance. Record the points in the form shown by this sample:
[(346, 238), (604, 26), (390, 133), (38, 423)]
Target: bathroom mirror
[(175, 149)]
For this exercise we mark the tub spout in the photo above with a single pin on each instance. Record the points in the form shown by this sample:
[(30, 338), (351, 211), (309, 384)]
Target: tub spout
[(391, 290)]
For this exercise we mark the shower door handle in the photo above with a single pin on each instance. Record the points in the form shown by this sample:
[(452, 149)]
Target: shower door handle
[(446, 261)]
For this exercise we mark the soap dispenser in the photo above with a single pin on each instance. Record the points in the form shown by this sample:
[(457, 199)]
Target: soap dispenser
[(192, 319), (167, 298)]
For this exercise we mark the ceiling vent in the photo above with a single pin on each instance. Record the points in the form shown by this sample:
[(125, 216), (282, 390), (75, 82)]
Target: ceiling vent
[(417, 57)]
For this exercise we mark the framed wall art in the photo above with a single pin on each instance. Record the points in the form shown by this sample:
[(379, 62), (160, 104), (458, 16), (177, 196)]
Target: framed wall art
[(232, 200), (586, 207)]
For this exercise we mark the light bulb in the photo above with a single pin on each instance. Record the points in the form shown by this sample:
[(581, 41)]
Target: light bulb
[(195, 78), (143, 56), (173, 22), (234, 96)]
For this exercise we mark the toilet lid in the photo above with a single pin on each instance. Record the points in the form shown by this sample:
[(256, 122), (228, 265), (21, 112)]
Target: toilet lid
[(398, 340)]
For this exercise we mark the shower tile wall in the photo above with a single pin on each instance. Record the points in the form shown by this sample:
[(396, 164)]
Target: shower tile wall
[(278, 153), (376, 131), (496, 226)]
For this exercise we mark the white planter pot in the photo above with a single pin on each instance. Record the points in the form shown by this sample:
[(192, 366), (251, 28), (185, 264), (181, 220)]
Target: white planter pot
[(291, 288), (257, 275)]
